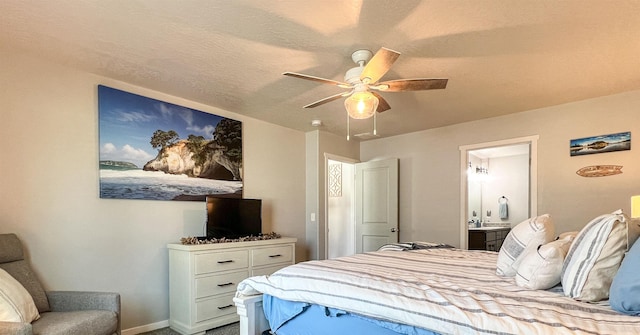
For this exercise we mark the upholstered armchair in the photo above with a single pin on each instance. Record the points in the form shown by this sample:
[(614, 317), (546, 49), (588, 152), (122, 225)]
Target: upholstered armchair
[(61, 312)]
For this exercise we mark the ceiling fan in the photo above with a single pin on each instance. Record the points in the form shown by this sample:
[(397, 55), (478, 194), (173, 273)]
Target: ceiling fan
[(362, 81)]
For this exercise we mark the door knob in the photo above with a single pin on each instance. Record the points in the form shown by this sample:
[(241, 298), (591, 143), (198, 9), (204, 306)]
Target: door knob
[(393, 230)]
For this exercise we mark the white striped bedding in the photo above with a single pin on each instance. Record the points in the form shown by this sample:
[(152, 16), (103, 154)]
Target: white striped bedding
[(449, 291)]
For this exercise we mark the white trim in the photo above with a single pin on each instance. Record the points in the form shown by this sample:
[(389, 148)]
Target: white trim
[(146, 328), (533, 177)]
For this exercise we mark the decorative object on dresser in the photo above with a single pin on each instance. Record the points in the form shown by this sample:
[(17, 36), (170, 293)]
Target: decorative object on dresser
[(203, 278), (199, 240)]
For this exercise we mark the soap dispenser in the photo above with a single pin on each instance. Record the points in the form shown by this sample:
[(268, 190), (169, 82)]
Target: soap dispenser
[(474, 220)]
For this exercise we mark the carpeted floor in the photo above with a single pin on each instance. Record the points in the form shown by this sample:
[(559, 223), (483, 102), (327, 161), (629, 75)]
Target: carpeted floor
[(232, 329)]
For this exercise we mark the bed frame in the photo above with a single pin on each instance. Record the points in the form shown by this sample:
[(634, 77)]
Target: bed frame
[(252, 319)]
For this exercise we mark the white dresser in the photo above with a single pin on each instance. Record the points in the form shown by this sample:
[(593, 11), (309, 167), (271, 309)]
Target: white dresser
[(203, 279)]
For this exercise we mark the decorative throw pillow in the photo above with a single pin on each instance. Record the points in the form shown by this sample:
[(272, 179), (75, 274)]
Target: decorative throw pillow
[(541, 269), (568, 235), (624, 295), (527, 235), (595, 256), (16, 304)]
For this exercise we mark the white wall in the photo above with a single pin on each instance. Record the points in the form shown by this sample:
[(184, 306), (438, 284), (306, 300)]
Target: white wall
[(77, 241), (507, 177), (318, 145), (430, 176)]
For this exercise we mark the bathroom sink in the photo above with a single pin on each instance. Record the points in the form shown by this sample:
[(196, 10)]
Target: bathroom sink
[(487, 228)]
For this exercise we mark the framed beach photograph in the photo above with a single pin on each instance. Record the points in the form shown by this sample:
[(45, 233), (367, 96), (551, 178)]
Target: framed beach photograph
[(600, 144), (155, 150)]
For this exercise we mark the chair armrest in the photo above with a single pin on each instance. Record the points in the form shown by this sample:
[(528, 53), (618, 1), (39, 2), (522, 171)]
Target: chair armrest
[(67, 301), (15, 328)]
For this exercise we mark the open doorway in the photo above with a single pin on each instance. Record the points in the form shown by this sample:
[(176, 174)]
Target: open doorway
[(494, 174), (340, 223), (361, 205)]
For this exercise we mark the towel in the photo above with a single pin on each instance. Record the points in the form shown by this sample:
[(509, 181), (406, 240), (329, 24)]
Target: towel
[(503, 210)]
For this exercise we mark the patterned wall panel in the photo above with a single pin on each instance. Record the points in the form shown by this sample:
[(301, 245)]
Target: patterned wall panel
[(335, 180)]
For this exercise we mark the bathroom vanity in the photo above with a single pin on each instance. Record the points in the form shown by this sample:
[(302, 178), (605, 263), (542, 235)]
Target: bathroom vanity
[(487, 238)]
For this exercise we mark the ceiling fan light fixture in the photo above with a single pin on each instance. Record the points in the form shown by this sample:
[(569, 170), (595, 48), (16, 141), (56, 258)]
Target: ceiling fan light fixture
[(361, 105)]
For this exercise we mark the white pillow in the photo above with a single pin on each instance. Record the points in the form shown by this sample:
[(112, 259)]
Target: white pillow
[(16, 304), (571, 235), (527, 235), (541, 269), (595, 256)]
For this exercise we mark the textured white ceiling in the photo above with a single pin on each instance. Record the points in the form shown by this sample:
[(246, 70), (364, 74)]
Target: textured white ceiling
[(500, 56)]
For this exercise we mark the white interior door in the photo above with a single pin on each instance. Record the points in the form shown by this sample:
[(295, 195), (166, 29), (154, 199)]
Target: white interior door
[(376, 199)]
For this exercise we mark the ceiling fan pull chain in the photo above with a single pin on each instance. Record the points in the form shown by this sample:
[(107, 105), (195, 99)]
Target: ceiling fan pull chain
[(348, 132), (375, 132)]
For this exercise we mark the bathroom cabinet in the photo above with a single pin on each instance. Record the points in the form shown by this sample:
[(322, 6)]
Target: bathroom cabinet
[(487, 238)]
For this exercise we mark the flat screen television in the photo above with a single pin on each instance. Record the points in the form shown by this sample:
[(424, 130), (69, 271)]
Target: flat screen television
[(233, 218)]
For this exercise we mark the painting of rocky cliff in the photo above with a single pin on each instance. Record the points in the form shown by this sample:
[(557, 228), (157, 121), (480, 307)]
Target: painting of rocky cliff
[(154, 150)]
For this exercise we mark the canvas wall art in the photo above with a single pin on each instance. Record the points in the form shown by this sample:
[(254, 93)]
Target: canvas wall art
[(600, 144), (154, 150)]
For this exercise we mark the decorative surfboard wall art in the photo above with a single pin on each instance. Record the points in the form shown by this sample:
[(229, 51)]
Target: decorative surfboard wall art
[(599, 170)]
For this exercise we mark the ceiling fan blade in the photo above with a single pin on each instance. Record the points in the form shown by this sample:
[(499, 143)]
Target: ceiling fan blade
[(317, 79), (383, 105), (328, 99), (417, 84), (378, 65)]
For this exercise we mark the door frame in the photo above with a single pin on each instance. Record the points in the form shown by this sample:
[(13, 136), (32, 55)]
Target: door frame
[(464, 163), (342, 159)]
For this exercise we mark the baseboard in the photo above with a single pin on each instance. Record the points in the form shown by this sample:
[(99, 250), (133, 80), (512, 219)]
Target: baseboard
[(146, 328)]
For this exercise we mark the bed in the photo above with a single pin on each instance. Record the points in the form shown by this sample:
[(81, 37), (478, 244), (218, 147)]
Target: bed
[(443, 290)]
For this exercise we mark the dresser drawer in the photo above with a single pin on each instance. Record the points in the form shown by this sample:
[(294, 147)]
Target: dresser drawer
[(271, 255), (221, 261), (219, 284), (215, 307)]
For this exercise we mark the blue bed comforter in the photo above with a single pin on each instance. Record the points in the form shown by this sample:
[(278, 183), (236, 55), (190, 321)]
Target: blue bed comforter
[(301, 318)]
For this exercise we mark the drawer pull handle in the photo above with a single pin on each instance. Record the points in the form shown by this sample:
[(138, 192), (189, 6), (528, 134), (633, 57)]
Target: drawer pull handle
[(225, 307), (222, 262), (225, 284), (274, 256)]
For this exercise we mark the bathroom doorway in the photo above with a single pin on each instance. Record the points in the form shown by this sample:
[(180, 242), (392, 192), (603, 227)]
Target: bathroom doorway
[(498, 183)]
